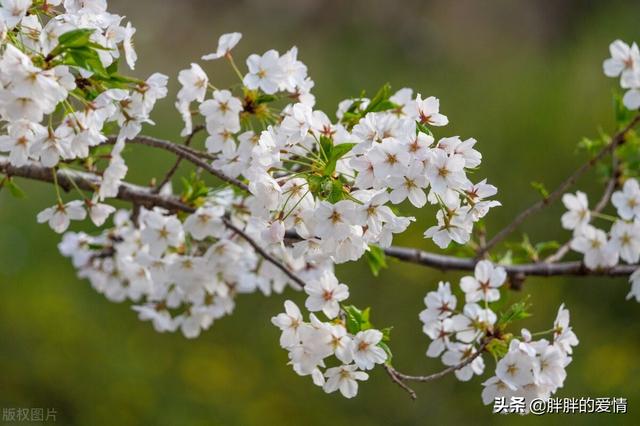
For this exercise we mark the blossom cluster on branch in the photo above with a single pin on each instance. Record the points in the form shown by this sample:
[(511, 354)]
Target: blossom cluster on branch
[(295, 192), (526, 368), (602, 250)]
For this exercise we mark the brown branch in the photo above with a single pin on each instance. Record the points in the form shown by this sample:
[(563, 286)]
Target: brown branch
[(400, 378), (90, 182), (443, 262), (611, 186), (175, 166), (398, 381), (263, 253), (616, 140), (145, 196), (186, 154), (133, 193)]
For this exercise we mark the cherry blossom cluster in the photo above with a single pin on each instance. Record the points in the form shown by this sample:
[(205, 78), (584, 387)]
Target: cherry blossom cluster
[(621, 243), (526, 368), (315, 345), (333, 182), (59, 88), (603, 249), (625, 63), (455, 335), (182, 274), (533, 368)]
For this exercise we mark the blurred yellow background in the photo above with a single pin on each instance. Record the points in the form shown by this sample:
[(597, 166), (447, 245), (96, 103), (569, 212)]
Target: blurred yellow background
[(522, 77)]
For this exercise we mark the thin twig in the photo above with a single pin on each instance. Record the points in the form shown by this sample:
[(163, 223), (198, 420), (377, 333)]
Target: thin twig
[(175, 166), (263, 253), (617, 139), (398, 381), (399, 378), (188, 155), (611, 186)]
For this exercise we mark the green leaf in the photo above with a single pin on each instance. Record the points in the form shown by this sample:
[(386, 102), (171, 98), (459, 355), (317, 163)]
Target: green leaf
[(75, 38), (546, 246), (354, 318), (88, 59), (421, 128), (592, 146), (506, 258), (376, 259), (113, 68), (523, 251), (498, 348), (357, 320), (340, 150), (187, 188), (14, 189), (97, 46), (385, 105), (387, 349), (517, 311), (315, 183), (195, 189), (380, 100), (386, 334), (460, 250), (366, 324), (326, 146), (337, 193), (538, 186), (262, 99), (622, 114), (337, 152)]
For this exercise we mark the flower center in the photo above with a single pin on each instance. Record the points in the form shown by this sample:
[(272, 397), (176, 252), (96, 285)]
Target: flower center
[(335, 217), (327, 295), (512, 370), (391, 159)]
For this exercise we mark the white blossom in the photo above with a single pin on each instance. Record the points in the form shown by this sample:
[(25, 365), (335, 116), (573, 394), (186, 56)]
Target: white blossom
[(226, 43), (484, 285), (345, 379), (60, 215), (325, 294), (366, 352)]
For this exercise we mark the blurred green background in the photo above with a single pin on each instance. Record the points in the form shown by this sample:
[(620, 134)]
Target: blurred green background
[(522, 77)]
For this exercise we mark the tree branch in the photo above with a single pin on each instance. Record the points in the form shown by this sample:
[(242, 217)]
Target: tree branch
[(263, 253), (90, 182), (612, 183), (128, 192), (398, 381), (400, 378), (175, 166), (443, 262), (145, 196), (617, 139), (186, 154)]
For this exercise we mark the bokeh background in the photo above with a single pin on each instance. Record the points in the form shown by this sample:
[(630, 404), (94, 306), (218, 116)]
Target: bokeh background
[(522, 77)]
